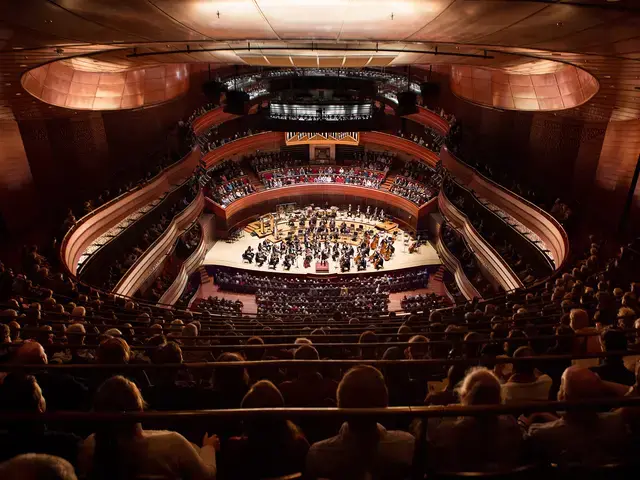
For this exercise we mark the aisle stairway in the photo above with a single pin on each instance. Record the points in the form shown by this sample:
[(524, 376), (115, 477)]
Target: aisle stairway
[(204, 276), (388, 181), (251, 175)]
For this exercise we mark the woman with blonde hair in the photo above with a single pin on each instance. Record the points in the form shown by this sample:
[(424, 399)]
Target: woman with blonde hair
[(127, 451), (486, 443)]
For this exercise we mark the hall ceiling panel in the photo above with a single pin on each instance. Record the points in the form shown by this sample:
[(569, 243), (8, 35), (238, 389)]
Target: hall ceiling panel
[(372, 19), (600, 36), (468, 20), (220, 19), (64, 26), (305, 19), (139, 18), (553, 22)]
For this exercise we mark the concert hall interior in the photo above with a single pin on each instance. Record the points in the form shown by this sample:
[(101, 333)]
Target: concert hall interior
[(305, 239)]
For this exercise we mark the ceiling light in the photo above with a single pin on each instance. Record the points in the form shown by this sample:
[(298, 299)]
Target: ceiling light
[(23, 65), (559, 24), (18, 94), (8, 84)]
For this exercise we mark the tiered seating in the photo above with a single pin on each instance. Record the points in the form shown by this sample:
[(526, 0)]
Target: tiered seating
[(69, 346), (314, 174), (228, 183), (412, 353), (109, 263)]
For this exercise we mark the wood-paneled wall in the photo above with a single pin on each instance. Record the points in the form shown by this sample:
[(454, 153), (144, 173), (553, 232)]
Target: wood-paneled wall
[(18, 196)]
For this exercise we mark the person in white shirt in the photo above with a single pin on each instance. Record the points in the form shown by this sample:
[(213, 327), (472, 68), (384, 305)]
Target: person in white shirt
[(362, 448), (124, 450), (526, 383)]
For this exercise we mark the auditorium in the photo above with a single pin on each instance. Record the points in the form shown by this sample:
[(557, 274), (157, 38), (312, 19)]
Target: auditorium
[(319, 240)]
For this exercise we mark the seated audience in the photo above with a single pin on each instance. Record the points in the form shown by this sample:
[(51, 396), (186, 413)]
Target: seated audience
[(127, 450), (268, 447), (362, 447), (581, 437), (473, 444)]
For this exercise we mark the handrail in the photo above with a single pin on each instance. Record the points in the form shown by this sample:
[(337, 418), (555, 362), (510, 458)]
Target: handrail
[(129, 283), (508, 279), (69, 259), (324, 412), (560, 250), (299, 363)]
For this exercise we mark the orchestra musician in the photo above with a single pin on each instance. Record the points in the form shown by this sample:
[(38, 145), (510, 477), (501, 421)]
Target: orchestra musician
[(261, 257), (345, 264), (273, 261), (248, 254)]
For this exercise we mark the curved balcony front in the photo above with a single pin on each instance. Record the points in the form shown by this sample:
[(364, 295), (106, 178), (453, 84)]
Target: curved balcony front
[(211, 119), (540, 222), (430, 119), (88, 228), (134, 278), (191, 264), (497, 270), (402, 144), (452, 264), (242, 146)]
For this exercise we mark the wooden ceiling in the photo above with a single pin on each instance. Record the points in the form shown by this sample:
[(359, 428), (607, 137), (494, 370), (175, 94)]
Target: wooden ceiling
[(599, 36)]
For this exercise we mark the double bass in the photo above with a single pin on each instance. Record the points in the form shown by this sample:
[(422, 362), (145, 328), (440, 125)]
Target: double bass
[(413, 247), (376, 240)]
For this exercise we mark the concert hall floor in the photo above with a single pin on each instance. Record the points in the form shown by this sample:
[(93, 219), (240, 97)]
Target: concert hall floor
[(230, 255)]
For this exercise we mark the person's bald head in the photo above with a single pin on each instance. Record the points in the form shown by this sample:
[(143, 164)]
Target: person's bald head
[(31, 353), (363, 387), (37, 466), (579, 383), (480, 387)]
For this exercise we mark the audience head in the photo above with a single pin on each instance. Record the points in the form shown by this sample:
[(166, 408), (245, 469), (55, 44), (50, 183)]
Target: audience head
[(114, 351), (37, 466), (31, 353), (21, 393), (480, 387)]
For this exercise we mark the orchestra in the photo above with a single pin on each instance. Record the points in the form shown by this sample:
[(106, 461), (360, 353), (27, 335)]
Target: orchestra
[(316, 235)]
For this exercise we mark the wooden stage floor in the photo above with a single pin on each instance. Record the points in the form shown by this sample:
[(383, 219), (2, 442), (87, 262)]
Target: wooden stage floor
[(230, 255)]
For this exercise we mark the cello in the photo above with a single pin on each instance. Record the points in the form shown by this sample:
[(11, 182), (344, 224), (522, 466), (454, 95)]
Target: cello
[(374, 243)]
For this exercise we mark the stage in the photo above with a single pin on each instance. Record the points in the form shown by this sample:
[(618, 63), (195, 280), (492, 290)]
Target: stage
[(230, 254)]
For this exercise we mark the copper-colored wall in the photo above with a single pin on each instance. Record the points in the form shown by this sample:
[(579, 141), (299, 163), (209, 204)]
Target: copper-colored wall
[(16, 182), (73, 158), (553, 153)]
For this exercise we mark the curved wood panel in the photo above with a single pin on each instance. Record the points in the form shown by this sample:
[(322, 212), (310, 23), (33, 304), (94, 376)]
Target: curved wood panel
[(211, 119), (66, 84), (531, 216), (452, 264), (402, 144), (149, 260), (565, 87), (265, 201), (95, 223), (242, 146), (191, 264), (430, 119), (494, 265)]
